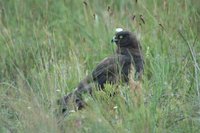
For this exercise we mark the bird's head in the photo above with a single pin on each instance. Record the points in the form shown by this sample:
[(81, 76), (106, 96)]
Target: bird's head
[(125, 38)]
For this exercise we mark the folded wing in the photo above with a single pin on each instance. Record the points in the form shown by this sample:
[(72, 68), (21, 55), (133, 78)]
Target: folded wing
[(112, 69)]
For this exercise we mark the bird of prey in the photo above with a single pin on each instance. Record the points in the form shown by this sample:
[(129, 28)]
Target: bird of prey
[(113, 69)]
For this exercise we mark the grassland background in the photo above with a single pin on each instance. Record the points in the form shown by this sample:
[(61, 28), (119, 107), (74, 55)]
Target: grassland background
[(48, 46)]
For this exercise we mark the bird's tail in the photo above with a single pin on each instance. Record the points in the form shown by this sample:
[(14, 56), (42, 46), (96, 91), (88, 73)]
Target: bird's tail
[(73, 100)]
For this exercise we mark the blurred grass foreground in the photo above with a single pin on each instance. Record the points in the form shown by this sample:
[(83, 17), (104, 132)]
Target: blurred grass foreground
[(48, 46)]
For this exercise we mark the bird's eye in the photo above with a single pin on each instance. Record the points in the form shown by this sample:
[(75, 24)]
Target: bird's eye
[(120, 37)]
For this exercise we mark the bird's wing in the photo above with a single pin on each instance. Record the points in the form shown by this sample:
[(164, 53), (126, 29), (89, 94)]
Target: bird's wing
[(110, 68)]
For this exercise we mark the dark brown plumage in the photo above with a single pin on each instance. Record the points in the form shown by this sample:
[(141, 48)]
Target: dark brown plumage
[(113, 69)]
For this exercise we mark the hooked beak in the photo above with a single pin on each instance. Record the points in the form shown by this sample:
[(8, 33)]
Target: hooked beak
[(114, 39)]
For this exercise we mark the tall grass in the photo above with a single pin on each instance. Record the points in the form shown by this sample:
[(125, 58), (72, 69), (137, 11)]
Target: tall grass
[(47, 47)]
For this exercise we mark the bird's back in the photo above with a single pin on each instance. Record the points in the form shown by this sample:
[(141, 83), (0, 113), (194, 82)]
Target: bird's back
[(112, 69)]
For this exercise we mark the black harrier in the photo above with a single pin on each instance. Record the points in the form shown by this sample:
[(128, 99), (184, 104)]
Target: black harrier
[(113, 69)]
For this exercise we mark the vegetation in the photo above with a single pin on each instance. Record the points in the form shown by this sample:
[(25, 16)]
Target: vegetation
[(48, 46)]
